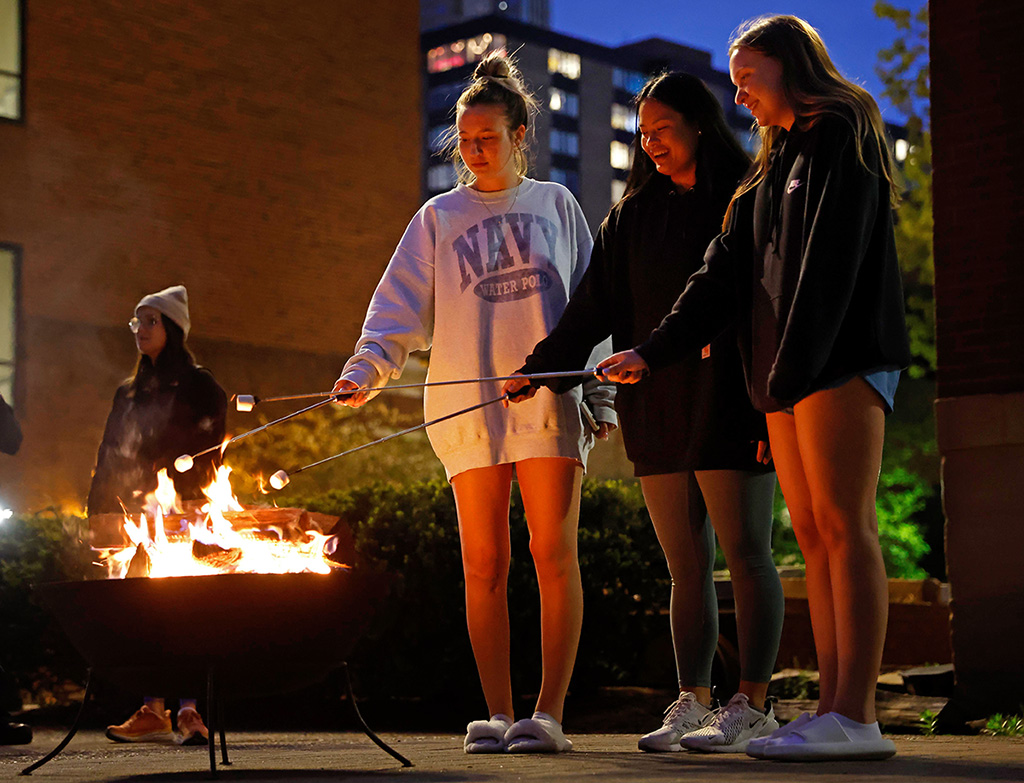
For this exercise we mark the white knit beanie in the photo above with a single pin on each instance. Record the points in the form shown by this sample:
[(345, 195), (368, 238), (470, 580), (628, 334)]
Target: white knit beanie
[(172, 302)]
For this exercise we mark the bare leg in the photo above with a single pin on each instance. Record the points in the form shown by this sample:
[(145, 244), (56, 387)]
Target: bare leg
[(790, 469), (551, 499), (481, 500), (680, 521), (840, 433)]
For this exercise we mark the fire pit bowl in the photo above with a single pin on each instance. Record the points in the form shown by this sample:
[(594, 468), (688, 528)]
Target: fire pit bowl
[(237, 634), (258, 633)]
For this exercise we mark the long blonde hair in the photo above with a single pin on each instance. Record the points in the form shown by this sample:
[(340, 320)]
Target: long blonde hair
[(813, 87)]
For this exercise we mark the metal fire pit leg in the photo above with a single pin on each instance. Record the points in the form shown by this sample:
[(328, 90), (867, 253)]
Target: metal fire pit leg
[(74, 730), (223, 741), (211, 719), (366, 729)]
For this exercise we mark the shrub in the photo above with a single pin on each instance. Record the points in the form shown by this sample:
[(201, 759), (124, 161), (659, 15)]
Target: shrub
[(412, 531), (34, 549), (1000, 725), (328, 431)]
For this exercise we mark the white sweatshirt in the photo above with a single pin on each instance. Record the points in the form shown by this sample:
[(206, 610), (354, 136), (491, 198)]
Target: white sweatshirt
[(479, 279)]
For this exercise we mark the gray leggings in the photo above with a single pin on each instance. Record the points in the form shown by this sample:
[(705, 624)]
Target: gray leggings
[(739, 504)]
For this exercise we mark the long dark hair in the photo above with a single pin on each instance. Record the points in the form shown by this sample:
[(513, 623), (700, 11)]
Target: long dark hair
[(813, 87), (721, 161), (174, 358)]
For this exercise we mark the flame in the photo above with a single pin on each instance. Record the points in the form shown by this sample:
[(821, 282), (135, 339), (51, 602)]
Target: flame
[(209, 543)]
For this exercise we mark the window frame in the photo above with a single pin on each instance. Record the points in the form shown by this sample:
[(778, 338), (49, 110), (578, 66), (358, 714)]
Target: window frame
[(22, 7), (17, 358)]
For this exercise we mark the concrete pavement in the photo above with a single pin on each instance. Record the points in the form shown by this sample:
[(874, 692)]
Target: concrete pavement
[(348, 756)]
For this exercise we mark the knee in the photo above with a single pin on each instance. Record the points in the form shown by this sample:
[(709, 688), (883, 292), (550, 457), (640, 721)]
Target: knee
[(486, 572), (845, 530), (808, 534), (553, 558), (749, 560)]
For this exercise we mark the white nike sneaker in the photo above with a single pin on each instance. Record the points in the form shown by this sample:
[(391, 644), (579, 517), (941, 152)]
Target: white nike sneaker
[(731, 728), (682, 716)]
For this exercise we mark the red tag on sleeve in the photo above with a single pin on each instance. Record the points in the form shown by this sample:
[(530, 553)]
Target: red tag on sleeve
[(705, 352)]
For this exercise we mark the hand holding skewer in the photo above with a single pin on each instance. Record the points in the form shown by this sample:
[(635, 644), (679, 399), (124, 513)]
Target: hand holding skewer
[(518, 389), (350, 393), (624, 367)]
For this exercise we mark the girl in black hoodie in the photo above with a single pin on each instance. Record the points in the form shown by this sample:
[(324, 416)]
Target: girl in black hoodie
[(690, 432), (807, 272)]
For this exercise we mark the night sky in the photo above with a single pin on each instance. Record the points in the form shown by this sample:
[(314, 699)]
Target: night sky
[(851, 31)]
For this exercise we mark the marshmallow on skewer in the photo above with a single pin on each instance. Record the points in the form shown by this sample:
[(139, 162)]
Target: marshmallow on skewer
[(245, 402), (183, 464), (279, 480)]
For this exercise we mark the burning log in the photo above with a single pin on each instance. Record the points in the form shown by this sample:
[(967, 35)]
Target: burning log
[(171, 538), (140, 564), (216, 556)]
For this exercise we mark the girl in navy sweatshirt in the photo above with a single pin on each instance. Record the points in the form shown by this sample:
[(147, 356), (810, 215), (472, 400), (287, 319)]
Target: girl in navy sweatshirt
[(806, 270)]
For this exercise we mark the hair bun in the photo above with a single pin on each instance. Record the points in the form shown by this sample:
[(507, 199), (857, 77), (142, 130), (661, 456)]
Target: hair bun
[(493, 66)]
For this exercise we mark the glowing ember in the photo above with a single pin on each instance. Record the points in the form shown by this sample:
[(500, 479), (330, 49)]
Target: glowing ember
[(211, 544)]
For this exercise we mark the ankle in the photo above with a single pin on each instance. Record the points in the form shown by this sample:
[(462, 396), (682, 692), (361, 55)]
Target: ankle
[(702, 695)]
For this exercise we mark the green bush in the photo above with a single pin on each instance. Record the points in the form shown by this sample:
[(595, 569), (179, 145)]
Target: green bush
[(412, 531), (901, 495), (331, 430), (1000, 725), (35, 549)]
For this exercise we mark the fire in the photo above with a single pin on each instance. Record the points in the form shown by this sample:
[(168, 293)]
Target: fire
[(207, 542)]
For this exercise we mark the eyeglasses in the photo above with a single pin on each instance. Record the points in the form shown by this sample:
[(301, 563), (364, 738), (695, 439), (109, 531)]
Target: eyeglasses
[(137, 323)]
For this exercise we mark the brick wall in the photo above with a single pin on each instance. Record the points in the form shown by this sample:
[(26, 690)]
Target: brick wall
[(978, 137), (265, 154), (978, 141)]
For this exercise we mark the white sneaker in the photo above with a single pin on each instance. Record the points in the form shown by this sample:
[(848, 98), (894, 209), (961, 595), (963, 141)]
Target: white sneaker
[(682, 716), (731, 728), (832, 737)]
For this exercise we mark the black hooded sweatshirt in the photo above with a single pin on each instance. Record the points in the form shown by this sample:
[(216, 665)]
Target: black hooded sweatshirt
[(806, 271), (695, 415)]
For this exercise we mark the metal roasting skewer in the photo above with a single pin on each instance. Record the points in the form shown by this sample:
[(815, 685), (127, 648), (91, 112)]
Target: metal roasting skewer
[(246, 402), (184, 463), (280, 478)]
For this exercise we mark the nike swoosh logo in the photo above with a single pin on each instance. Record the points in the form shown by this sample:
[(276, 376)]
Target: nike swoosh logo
[(794, 185)]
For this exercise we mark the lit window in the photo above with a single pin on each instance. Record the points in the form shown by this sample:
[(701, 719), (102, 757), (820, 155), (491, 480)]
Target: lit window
[(565, 143), (620, 156), (618, 189), (10, 59), (623, 118), (464, 51), (571, 179), (630, 81), (902, 149), (562, 102), (565, 63), (438, 137), (440, 177), (8, 298)]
